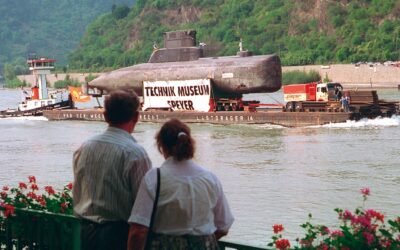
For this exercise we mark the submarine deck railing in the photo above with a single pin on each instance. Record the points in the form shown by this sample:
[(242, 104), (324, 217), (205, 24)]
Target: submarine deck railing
[(43, 230)]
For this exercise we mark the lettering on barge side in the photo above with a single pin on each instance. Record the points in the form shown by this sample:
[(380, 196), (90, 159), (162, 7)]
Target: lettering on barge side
[(148, 117), (96, 116), (67, 116), (231, 118), (82, 116)]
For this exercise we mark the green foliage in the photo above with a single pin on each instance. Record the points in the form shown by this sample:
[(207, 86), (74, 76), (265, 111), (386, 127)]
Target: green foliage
[(342, 32), (11, 71), (361, 229), (345, 33), (90, 77), (49, 28), (14, 83), (296, 76), (120, 12), (326, 78), (61, 84), (28, 195)]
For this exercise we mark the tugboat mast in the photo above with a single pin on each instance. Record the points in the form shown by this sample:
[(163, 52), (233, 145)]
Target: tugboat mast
[(40, 68)]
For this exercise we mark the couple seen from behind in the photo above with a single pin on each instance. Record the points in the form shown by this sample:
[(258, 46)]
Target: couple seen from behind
[(124, 203)]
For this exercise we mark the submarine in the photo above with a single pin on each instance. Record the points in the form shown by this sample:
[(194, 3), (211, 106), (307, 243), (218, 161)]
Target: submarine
[(181, 59)]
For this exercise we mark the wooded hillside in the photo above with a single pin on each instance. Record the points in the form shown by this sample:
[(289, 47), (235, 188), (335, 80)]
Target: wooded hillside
[(47, 27), (301, 32)]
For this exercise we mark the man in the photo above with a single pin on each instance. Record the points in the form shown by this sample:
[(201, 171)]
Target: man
[(338, 93), (108, 169), (24, 95), (345, 103)]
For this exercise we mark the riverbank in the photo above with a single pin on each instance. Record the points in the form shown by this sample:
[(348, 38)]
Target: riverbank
[(355, 76)]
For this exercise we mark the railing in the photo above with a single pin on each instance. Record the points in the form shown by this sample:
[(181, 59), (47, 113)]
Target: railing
[(232, 245), (40, 230)]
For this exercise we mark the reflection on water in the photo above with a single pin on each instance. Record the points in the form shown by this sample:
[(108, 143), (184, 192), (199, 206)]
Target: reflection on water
[(270, 174)]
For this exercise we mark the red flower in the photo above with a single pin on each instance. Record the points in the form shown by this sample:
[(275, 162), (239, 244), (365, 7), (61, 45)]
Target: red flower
[(369, 237), (5, 188), (337, 233), (323, 246), (346, 215), (277, 228), (22, 185), (282, 244), (365, 191), (9, 210), (306, 243), (32, 179), (3, 195), (364, 221), (374, 214), (69, 186), (41, 200), (34, 186), (386, 244), (324, 230), (64, 205), (49, 190), (32, 195)]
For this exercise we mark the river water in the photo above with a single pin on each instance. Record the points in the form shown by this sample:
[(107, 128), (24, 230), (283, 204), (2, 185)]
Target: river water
[(270, 174)]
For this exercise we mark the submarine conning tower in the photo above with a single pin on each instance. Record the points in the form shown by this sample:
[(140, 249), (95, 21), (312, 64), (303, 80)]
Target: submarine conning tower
[(179, 46)]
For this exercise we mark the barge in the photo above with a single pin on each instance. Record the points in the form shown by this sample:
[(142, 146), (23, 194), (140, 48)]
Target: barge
[(286, 119), (178, 82)]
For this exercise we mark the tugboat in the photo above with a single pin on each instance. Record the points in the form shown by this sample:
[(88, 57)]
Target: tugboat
[(40, 98)]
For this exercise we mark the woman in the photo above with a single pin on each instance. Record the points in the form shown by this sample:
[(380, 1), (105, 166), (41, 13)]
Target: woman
[(192, 211)]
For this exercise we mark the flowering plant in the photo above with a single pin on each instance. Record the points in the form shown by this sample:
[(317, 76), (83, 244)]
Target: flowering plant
[(27, 195), (362, 229)]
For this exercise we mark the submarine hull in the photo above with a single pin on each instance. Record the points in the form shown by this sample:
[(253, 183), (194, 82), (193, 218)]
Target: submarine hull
[(228, 74)]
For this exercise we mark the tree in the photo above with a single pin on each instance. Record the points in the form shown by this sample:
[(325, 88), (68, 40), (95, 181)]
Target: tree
[(120, 11), (9, 73)]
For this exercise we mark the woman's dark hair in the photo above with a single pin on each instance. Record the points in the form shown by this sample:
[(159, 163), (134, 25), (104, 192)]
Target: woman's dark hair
[(174, 139), (121, 106)]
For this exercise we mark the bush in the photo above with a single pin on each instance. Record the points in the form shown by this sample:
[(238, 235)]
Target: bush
[(90, 77), (61, 84), (362, 229), (27, 195), (296, 76), (15, 83)]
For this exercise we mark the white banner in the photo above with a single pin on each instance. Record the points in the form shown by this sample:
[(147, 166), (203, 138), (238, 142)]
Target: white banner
[(190, 95), (295, 97)]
